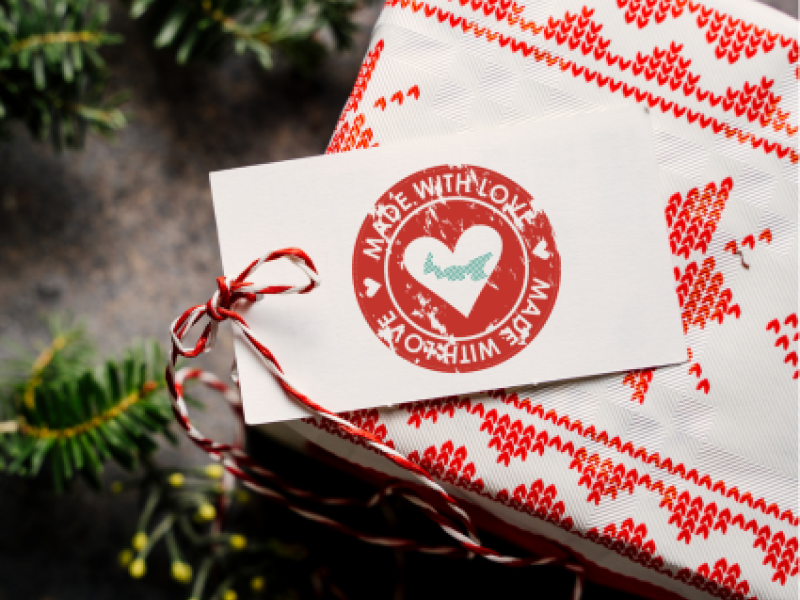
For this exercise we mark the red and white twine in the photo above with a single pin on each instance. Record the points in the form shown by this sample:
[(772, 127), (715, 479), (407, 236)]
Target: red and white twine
[(444, 510)]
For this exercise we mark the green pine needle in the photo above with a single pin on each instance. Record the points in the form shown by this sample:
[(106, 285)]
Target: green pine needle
[(52, 77), (68, 418), (211, 29)]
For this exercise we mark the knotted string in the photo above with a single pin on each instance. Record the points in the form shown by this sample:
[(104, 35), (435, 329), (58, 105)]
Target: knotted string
[(443, 509)]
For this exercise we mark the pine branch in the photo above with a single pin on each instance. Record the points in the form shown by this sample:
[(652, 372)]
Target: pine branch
[(71, 419), (211, 29), (68, 353), (54, 39), (52, 77)]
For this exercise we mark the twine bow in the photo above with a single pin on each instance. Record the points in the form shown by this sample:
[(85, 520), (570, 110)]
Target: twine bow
[(443, 508)]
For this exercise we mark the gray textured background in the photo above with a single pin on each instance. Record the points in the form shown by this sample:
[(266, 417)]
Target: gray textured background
[(123, 233)]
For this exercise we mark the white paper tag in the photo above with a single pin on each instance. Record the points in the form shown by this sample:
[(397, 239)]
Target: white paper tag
[(456, 265)]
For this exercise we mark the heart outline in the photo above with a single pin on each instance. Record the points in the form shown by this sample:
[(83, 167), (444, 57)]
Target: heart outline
[(462, 294)]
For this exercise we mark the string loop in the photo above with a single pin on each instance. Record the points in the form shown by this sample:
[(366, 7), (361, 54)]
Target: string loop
[(443, 509)]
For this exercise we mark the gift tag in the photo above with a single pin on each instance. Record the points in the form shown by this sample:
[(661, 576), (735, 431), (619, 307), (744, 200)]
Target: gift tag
[(448, 266)]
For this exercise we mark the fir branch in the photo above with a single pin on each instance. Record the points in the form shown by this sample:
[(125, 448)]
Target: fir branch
[(64, 37), (39, 365), (211, 29), (68, 352), (71, 418), (52, 77), (97, 421)]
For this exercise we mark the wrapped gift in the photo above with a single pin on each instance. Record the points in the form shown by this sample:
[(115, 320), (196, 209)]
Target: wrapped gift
[(671, 482)]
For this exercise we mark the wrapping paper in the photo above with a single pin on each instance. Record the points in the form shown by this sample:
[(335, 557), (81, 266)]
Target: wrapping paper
[(682, 479)]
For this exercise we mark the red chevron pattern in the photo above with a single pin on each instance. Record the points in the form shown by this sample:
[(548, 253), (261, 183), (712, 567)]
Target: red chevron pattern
[(714, 76)]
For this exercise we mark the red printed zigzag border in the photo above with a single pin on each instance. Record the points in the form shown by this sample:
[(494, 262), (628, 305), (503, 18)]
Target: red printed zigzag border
[(641, 96)]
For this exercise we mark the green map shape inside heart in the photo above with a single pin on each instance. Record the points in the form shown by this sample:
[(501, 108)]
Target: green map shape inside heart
[(473, 268)]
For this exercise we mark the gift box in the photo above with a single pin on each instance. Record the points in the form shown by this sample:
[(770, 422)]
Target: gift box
[(671, 482)]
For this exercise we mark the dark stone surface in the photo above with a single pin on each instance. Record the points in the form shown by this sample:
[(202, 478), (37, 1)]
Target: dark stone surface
[(123, 233)]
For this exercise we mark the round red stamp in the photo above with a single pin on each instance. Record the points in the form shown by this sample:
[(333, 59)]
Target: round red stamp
[(456, 269)]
